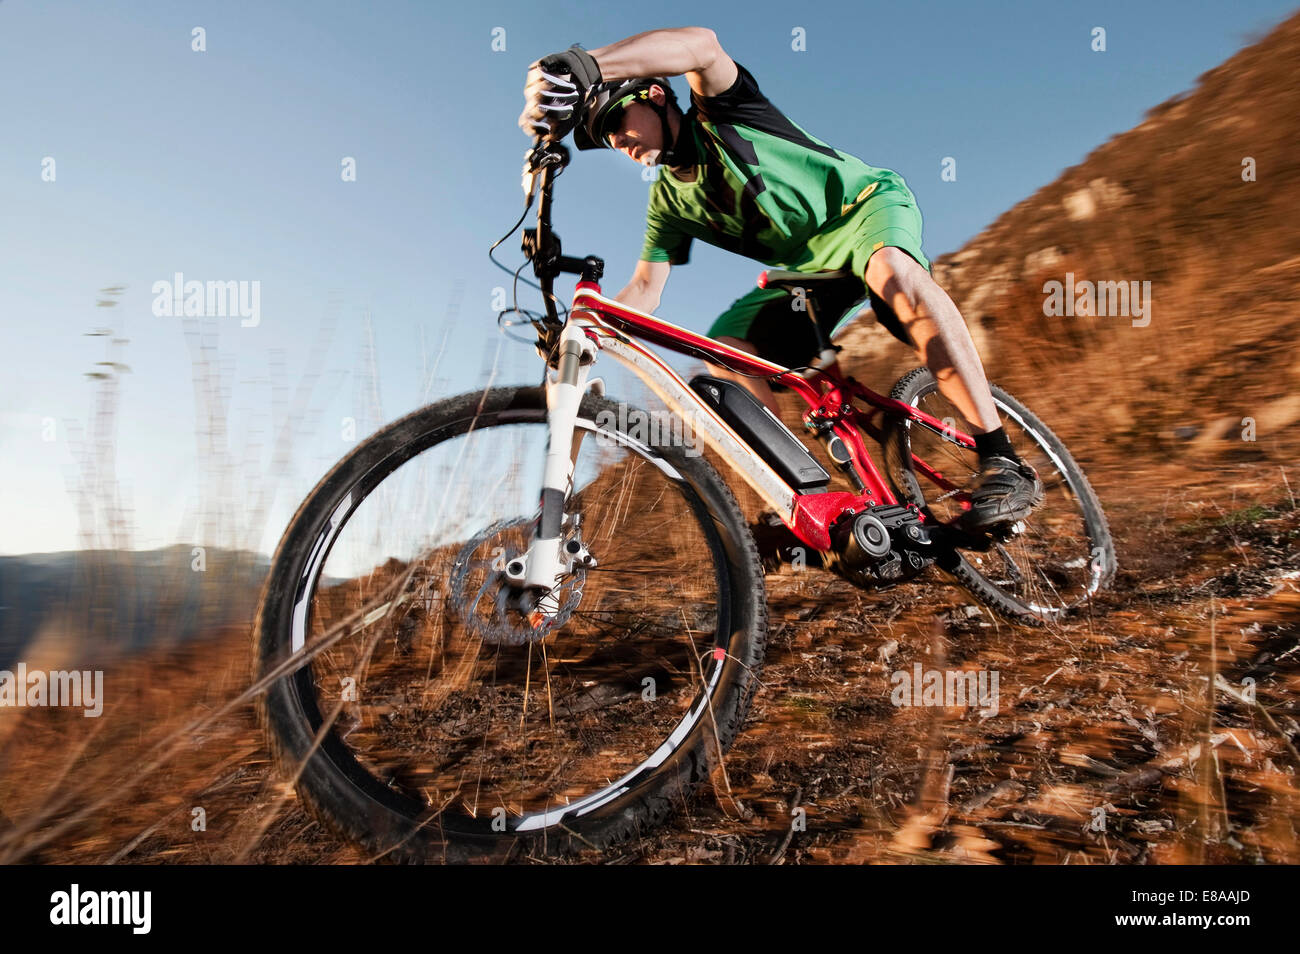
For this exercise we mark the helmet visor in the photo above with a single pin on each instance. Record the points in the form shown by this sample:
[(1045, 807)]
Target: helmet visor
[(611, 119)]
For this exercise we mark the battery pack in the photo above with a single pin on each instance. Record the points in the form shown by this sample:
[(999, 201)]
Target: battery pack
[(764, 432)]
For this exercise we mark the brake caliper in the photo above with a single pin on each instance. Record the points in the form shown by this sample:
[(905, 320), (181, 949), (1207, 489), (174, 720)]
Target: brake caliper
[(487, 591)]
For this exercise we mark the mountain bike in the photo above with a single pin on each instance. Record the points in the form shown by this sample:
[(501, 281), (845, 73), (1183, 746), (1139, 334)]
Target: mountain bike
[(524, 619)]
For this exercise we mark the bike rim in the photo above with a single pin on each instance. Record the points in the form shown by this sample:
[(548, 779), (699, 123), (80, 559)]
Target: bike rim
[(684, 662), (1054, 565)]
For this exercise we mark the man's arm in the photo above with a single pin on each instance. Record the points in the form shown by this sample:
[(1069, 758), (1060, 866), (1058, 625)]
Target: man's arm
[(694, 51), (646, 287)]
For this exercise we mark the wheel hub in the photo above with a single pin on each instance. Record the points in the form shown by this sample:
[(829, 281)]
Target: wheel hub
[(487, 591)]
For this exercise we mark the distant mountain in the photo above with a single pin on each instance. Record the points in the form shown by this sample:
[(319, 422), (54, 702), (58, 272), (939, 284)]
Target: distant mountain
[(103, 602)]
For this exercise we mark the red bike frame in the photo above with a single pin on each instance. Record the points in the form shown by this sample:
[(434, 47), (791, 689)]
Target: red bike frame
[(829, 396)]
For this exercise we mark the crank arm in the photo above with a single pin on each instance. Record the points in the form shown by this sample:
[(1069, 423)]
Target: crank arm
[(947, 536)]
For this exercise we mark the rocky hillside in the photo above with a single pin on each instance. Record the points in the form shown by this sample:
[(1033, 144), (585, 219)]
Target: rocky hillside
[(1199, 200)]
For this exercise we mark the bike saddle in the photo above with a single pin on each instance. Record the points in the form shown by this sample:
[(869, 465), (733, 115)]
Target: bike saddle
[(776, 278)]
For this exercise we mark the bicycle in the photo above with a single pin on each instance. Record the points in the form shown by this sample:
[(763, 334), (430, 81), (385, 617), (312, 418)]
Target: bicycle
[(502, 670)]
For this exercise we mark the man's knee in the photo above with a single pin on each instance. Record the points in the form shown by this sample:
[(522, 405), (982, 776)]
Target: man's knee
[(885, 266), (740, 344), (892, 272)]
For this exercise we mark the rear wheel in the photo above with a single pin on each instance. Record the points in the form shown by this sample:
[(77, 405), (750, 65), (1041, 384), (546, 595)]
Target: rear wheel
[(420, 712), (1062, 554)]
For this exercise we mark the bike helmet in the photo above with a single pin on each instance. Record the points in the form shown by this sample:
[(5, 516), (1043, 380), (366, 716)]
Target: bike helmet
[(604, 107)]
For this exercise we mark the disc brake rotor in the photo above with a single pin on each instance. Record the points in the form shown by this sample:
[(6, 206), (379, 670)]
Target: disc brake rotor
[(498, 610)]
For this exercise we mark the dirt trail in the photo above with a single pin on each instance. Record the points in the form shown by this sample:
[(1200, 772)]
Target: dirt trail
[(1124, 736), (1102, 749)]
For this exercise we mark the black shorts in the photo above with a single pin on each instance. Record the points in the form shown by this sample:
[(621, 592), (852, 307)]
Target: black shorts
[(786, 337)]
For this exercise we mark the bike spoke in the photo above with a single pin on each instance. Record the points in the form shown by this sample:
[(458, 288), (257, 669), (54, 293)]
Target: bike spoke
[(447, 717), (1046, 565)]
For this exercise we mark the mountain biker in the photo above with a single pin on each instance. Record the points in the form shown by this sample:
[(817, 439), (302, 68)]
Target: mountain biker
[(738, 174)]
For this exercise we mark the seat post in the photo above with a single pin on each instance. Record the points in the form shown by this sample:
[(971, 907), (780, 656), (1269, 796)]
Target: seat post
[(826, 352), (805, 282)]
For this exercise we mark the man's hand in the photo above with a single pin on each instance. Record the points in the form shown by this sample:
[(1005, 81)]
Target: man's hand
[(646, 288), (555, 90)]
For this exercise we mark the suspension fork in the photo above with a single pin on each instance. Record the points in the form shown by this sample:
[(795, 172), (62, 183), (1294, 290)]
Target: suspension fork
[(546, 564)]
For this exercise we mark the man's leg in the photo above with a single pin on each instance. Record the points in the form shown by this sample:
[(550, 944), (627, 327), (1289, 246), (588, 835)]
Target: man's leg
[(1008, 489), (942, 340), (741, 326), (756, 386)]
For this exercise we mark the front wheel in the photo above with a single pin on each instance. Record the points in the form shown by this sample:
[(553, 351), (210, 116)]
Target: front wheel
[(1060, 556), (423, 711)]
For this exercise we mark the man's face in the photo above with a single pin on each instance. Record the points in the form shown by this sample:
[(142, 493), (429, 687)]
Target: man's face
[(640, 135)]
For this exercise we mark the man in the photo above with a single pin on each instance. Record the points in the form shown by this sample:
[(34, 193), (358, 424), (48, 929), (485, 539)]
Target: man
[(740, 175)]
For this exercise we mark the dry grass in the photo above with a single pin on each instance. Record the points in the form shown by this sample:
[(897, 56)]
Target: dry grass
[(1159, 728)]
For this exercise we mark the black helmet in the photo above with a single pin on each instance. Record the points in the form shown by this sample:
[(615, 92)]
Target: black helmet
[(606, 102)]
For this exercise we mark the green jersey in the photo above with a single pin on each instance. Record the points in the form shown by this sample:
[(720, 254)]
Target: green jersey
[(765, 189)]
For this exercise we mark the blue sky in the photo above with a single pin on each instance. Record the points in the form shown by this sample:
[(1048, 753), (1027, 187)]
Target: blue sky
[(225, 165)]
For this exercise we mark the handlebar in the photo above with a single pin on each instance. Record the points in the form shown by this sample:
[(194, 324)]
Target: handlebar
[(541, 245)]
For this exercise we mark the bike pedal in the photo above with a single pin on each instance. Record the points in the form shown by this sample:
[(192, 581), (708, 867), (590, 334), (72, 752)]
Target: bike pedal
[(1006, 532)]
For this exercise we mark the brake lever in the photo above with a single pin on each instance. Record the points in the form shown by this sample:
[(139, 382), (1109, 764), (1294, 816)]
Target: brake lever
[(531, 166), (529, 181)]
